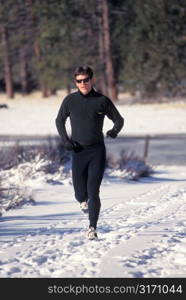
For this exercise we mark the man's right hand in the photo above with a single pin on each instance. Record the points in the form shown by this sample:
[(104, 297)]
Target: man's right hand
[(69, 145)]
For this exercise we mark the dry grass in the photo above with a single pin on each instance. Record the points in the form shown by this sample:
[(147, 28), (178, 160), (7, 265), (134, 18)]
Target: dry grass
[(163, 103), (34, 96), (123, 99)]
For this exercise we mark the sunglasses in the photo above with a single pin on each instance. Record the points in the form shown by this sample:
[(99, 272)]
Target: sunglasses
[(83, 80)]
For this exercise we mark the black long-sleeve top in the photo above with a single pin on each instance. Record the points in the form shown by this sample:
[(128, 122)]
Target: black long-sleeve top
[(87, 114)]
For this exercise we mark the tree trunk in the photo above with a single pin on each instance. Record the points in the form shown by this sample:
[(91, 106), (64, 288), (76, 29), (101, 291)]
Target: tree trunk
[(101, 83), (7, 62), (36, 46), (68, 88), (24, 71), (26, 42), (44, 90), (108, 57)]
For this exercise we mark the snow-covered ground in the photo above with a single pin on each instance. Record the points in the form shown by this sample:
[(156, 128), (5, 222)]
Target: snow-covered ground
[(141, 228), (141, 232), (35, 116)]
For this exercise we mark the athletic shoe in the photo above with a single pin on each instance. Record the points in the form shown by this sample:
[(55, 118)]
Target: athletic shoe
[(92, 234), (84, 206)]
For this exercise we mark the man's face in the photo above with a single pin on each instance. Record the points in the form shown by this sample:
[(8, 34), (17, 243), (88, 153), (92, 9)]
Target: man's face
[(83, 83)]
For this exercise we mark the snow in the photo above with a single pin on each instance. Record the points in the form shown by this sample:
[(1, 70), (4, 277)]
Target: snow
[(141, 228), (36, 116)]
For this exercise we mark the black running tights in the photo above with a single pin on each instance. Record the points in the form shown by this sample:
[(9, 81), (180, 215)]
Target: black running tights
[(88, 167)]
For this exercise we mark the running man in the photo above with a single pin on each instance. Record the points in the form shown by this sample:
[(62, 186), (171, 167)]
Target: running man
[(86, 109)]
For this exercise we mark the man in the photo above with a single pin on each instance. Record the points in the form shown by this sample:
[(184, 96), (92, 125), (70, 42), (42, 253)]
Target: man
[(87, 109)]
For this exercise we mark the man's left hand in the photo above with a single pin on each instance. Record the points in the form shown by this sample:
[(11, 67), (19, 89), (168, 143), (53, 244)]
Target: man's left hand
[(112, 133)]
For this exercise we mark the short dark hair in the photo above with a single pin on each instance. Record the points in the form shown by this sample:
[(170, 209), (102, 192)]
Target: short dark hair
[(83, 70)]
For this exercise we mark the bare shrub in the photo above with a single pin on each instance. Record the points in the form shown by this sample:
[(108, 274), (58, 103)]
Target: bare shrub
[(55, 154), (129, 166), (20, 164), (15, 197)]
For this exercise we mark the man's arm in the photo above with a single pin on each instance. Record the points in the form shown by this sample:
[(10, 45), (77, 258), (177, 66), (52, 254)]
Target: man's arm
[(113, 114), (62, 116)]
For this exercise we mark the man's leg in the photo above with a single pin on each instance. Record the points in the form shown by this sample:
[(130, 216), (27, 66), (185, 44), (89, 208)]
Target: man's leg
[(79, 176), (95, 174)]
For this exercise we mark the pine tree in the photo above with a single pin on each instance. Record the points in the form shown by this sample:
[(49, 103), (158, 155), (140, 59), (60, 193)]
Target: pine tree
[(6, 47)]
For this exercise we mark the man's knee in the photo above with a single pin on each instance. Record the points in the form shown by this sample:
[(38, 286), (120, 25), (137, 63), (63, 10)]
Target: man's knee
[(94, 194), (81, 196)]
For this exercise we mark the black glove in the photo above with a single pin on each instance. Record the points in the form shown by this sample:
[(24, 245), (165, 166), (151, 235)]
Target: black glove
[(77, 147), (71, 145), (68, 145), (112, 133)]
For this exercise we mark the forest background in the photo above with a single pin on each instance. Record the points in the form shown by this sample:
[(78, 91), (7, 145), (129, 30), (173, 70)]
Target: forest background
[(135, 46)]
